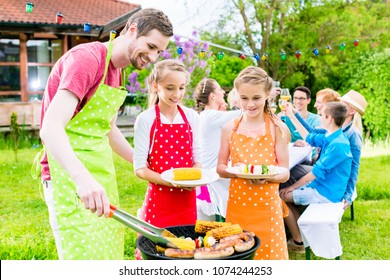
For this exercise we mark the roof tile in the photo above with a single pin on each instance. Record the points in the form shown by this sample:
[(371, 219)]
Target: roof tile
[(96, 12)]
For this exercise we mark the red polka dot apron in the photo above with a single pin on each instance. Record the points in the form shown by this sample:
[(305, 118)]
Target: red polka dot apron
[(257, 208), (170, 147), (84, 235)]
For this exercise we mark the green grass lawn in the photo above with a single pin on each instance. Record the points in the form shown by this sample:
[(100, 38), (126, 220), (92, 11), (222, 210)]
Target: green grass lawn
[(25, 232)]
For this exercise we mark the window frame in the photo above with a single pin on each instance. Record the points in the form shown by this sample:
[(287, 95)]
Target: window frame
[(23, 65)]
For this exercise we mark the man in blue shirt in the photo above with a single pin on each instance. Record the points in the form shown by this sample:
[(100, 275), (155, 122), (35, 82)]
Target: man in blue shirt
[(327, 182), (301, 99)]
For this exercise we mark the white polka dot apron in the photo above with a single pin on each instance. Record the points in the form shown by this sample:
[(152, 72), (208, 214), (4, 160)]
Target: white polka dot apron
[(257, 208), (170, 147), (83, 234)]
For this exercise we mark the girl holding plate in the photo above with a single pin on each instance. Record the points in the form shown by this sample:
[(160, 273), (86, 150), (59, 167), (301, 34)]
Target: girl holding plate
[(257, 137), (166, 137)]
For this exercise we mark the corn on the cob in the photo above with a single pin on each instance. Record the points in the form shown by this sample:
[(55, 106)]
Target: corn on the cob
[(205, 226), (222, 232), (160, 249), (181, 243), (180, 174)]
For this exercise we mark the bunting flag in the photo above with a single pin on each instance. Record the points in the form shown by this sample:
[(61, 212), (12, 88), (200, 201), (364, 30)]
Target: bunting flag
[(241, 54), (314, 52)]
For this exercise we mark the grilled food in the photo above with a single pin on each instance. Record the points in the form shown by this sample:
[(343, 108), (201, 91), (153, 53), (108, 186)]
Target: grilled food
[(221, 232), (204, 226)]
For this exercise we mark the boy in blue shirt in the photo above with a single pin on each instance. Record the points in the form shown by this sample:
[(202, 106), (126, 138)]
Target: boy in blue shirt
[(327, 182)]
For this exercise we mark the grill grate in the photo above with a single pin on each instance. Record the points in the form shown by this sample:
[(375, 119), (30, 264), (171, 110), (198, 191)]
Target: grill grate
[(148, 247)]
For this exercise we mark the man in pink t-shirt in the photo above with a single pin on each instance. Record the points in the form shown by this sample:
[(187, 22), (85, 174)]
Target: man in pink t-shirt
[(91, 74)]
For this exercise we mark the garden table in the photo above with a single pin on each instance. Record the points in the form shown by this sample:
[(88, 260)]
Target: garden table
[(298, 154)]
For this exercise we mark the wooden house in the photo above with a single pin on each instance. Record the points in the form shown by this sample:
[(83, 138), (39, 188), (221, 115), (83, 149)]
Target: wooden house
[(35, 34)]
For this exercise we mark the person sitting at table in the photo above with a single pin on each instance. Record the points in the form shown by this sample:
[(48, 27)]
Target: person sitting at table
[(274, 93), (352, 128), (301, 100), (327, 182), (322, 97)]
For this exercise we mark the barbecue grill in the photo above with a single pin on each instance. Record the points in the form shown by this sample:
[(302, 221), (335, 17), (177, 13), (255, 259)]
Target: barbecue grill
[(149, 252)]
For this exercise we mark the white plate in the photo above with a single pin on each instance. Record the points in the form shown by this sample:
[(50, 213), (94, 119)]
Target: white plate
[(235, 170), (208, 176)]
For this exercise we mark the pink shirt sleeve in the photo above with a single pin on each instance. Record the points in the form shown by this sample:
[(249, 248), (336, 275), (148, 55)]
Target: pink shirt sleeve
[(77, 77)]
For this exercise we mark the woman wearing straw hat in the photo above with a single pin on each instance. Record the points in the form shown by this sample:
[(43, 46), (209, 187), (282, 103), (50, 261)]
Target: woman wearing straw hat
[(352, 128), (357, 104)]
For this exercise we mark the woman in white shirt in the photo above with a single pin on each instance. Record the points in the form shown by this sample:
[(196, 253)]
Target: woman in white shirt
[(209, 97)]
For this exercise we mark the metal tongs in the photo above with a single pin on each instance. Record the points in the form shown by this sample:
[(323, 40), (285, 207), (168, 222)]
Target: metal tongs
[(153, 233)]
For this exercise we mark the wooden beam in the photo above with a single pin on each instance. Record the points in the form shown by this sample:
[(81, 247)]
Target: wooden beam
[(44, 36), (65, 44), (10, 93), (23, 67)]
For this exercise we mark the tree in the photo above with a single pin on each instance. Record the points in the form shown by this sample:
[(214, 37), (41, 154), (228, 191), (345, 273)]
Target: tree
[(188, 50), (226, 70), (262, 24), (289, 26)]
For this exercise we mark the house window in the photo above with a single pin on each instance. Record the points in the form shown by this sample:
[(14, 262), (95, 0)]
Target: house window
[(41, 56), (9, 50), (37, 77), (9, 70), (44, 51), (9, 78)]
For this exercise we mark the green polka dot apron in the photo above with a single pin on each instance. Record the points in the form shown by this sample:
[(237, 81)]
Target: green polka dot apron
[(84, 235)]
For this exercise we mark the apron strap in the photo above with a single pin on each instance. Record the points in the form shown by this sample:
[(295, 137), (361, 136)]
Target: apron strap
[(187, 123), (269, 130), (36, 166), (157, 110), (123, 73), (157, 123), (182, 114), (152, 131), (108, 58), (266, 120), (237, 123)]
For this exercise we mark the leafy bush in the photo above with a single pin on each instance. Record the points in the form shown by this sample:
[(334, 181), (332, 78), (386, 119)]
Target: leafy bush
[(369, 74), (226, 70), (27, 139)]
